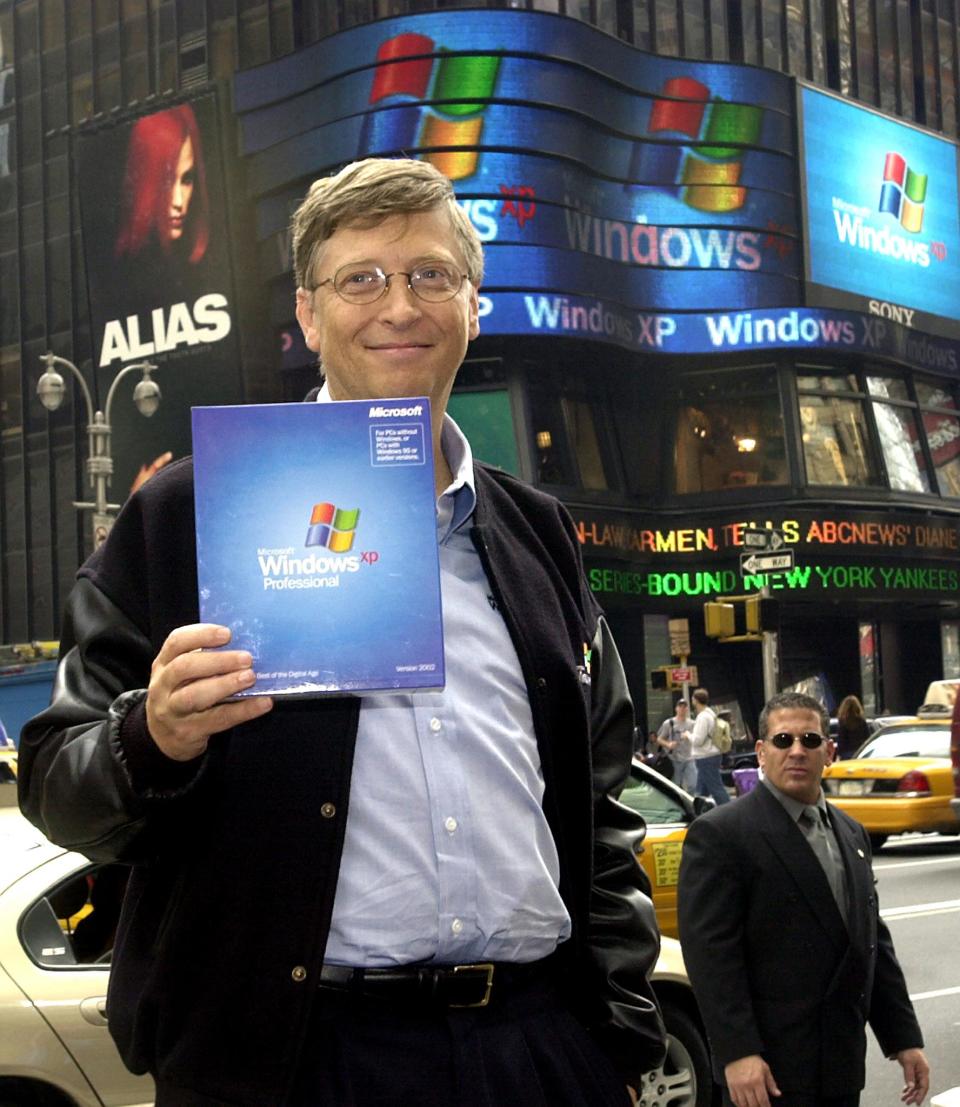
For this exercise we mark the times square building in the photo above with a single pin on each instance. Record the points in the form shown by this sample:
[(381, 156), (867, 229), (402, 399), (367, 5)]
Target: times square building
[(722, 291)]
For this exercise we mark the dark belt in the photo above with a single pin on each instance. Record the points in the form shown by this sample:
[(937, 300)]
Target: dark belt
[(435, 985)]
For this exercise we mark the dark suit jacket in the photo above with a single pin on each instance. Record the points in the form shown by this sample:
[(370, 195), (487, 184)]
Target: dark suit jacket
[(773, 966)]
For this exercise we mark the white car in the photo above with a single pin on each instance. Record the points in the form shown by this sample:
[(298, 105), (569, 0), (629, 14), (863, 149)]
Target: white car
[(58, 913), (53, 981)]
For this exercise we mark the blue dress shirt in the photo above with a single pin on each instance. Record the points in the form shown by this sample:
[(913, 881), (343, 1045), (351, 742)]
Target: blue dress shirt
[(447, 854)]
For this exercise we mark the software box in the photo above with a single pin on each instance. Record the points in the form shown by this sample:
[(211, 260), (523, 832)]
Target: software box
[(317, 543)]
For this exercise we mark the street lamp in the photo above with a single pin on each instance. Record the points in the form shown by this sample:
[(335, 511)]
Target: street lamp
[(146, 395)]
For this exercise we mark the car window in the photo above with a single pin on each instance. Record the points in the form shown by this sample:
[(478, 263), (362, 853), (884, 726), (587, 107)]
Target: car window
[(909, 741), (76, 921), (654, 804)]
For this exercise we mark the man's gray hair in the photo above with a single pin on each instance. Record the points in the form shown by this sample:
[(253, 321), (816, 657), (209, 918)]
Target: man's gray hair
[(793, 701), (366, 193)]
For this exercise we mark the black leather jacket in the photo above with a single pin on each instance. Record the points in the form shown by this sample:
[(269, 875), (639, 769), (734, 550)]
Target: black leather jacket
[(235, 855)]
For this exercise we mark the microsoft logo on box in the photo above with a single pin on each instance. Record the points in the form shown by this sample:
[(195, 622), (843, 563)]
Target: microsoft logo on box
[(332, 527), (406, 72), (705, 171)]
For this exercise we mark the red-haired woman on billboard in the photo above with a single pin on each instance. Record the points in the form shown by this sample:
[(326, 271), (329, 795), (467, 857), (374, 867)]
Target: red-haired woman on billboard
[(164, 202)]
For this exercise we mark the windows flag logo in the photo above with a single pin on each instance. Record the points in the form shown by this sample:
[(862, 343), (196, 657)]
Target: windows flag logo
[(903, 192), (332, 527), (406, 75), (706, 171)]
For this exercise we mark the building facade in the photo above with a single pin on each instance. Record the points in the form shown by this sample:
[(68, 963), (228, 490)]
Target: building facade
[(722, 298)]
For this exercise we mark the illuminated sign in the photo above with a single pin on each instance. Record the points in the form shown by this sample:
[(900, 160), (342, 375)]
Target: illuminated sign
[(813, 535), (407, 74), (707, 172), (588, 168), (684, 332), (880, 204), (877, 580)]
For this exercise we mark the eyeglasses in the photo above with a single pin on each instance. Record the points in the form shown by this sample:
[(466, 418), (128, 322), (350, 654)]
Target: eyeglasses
[(435, 282), (810, 741)]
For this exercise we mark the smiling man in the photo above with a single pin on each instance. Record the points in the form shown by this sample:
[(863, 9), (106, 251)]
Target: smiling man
[(425, 899), (782, 934)]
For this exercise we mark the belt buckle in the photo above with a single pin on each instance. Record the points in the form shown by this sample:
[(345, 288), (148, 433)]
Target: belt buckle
[(485, 966)]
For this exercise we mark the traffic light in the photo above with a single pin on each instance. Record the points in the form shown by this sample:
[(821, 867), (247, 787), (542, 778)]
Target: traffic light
[(719, 620), (658, 679), (761, 613)]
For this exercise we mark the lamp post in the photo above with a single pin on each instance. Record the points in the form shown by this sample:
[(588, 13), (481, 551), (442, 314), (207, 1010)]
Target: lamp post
[(146, 395)]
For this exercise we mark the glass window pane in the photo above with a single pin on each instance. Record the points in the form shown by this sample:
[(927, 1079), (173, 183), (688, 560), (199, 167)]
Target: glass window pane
[(900, 442), (582, 432), (729, 444), (943, 437), (828, 382), (641, 23), (948, 89), (553, 460), (607, 16), (818, 47), (934, 395), (886, 24), (835, 445), (694, 43), (668, 32), (718, 30), (891, 388), (866, 49), (772, 51), (796, 39), (487, 421), (905, 36)]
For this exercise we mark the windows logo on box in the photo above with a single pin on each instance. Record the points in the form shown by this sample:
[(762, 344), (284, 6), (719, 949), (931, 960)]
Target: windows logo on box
[(706, 172), (405, 76), (903, 193), (332, 527)]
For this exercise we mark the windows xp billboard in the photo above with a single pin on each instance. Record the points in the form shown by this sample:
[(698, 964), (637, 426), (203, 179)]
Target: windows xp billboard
[(881, 213)]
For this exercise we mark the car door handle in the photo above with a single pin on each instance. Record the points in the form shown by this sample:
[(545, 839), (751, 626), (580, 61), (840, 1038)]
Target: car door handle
[(95, 1010)]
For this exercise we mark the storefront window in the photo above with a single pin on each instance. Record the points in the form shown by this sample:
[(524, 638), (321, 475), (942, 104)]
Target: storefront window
[(572, 446), (942, 428), (833, 430), (916, 421), (835, 443), (869, 669), (899, 436), (950, 645), (729, 433)]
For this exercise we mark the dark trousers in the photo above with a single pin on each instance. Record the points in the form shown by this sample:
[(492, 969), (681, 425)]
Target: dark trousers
[(527, 1051)]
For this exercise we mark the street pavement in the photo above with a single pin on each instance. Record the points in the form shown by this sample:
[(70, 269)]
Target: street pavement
[(918, 880)]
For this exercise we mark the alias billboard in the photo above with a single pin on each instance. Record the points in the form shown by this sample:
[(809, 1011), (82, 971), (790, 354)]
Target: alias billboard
[(159, 277), (881, 213)]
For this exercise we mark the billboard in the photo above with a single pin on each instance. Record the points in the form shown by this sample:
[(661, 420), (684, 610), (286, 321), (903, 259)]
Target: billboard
[(881, 215), (159, 278), (588, 167)]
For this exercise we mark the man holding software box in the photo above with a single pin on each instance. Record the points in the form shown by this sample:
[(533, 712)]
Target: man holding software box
[(418, 898)]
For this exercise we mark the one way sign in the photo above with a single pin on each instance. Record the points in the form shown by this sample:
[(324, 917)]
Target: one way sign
[(766, 562)]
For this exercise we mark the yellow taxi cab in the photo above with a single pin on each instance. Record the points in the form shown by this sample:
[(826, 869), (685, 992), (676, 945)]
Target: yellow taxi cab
[(667, 810), (901, 779)]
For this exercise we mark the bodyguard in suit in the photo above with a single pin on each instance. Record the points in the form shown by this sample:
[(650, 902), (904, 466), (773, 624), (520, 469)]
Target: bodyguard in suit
[(782, 935)]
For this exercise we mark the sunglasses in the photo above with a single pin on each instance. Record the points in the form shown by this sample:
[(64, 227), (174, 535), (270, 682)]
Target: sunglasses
[(810, 741)]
